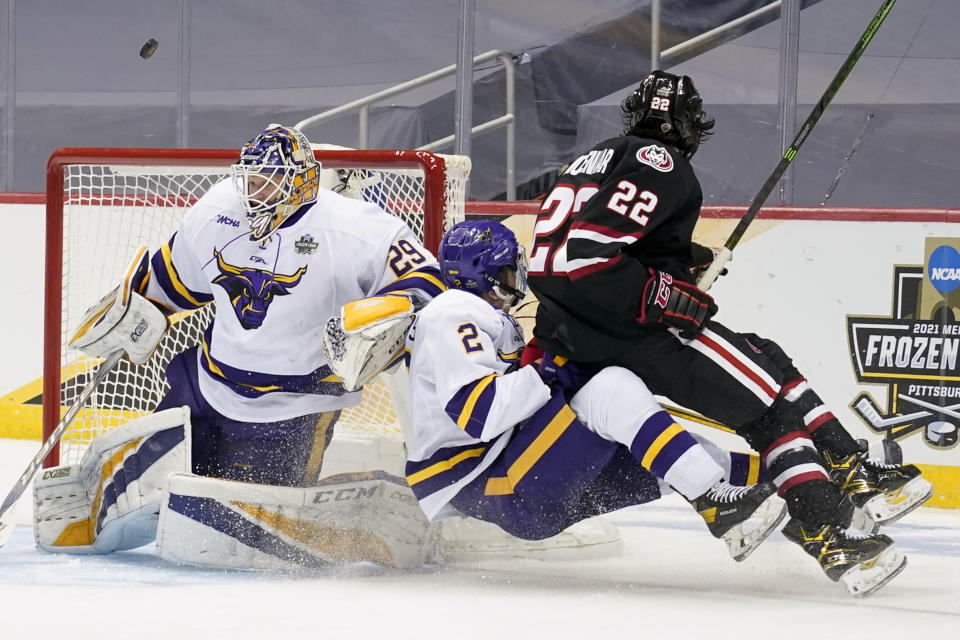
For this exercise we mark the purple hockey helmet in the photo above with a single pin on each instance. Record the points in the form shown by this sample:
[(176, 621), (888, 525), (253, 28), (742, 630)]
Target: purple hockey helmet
[(473, 255)]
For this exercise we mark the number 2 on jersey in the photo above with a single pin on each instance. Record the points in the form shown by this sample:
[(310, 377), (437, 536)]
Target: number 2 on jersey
[(469, 337)]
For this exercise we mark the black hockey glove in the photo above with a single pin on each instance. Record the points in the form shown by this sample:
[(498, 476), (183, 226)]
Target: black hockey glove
[(675, 304), (703, 257)]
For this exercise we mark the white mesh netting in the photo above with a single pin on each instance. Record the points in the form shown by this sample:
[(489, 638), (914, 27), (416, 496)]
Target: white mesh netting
[(111, 210)]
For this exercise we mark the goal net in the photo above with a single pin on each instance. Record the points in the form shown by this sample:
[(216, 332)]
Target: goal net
[(102, 204)]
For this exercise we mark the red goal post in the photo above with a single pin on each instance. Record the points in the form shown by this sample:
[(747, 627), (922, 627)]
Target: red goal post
[(102, 203)]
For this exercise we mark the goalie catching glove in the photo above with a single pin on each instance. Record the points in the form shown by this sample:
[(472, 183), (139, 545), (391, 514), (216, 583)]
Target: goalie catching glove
[(367, 337), (123, 319), (676, 304)]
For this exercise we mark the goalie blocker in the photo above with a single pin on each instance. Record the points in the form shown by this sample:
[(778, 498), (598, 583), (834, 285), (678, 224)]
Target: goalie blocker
[(367, 338)]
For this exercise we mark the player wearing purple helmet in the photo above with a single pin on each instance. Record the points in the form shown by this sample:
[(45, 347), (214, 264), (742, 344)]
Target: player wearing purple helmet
[(493, 440)]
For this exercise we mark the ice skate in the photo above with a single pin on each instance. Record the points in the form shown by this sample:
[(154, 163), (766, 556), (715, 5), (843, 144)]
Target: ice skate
[(862, 563), (742, 517), (880, 493)]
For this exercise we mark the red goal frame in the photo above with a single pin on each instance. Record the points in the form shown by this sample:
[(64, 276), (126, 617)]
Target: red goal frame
[(432, 165)]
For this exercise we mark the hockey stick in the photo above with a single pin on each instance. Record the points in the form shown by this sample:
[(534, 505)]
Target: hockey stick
[(949, 411), (726, 253), (6, 510), (869, 412), (692, 416)]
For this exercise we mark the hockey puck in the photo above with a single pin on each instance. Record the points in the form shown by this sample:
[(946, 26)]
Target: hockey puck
[(148, 49), (942, 434)]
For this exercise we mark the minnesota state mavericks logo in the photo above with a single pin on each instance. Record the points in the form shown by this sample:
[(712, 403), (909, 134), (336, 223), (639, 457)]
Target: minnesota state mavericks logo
[(914, 352), (252, 290)]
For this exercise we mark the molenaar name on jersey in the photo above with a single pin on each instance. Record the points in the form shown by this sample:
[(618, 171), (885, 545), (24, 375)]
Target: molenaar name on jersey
[(657, 157), (591, 162)]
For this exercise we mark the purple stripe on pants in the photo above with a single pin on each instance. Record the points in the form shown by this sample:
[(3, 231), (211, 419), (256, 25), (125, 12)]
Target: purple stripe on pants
[(274, 453), (578, 476)]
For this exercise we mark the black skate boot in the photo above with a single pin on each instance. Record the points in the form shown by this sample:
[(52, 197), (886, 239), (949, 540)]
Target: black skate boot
[(742, 517), (862, 563), (879, 493)]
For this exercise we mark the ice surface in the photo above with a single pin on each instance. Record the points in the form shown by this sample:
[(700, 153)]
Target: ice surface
[(673, 581)]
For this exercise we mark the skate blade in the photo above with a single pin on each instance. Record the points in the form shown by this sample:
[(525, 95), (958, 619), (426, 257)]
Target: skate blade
[(885, 509), (465, 540), (743, 538), (867, 578), (862, 522)]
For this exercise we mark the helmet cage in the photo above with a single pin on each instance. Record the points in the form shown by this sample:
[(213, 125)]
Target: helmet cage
[(511, 295), (283, 157), (473, 256)]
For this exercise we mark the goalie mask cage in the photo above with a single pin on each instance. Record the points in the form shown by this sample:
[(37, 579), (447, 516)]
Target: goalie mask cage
[(104, 203)]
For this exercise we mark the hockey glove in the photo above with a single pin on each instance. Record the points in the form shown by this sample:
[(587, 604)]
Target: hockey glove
[(532, 354), (123, 319), (561, 375), (675, 304), (367, 337), (703, 257)]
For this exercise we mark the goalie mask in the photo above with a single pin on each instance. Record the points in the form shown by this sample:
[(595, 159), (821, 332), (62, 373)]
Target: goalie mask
[(482, 256), (275, 175), (667, 108)]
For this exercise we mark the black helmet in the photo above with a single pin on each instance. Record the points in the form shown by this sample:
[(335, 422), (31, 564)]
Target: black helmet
[(667, 108)]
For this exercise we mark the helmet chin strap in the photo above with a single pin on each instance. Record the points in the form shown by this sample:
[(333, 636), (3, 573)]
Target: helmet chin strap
[(508, 300), (509, 296)]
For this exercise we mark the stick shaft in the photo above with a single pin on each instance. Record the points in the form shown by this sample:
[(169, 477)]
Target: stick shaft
[(799, 139), (808, 125), (27, 476)]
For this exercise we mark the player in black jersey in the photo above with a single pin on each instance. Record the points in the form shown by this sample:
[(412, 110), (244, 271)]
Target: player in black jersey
[(614, 269)]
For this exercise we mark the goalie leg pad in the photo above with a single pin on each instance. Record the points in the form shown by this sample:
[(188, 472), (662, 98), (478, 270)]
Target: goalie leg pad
[(467, 540), (110, 501), (372, 517)]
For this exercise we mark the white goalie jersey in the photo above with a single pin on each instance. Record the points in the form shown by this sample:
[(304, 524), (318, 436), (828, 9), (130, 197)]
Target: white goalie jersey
[(466, 392), (261, 357)]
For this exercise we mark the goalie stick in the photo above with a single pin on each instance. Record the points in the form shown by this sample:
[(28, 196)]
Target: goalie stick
[(6, 510), (726, 253)]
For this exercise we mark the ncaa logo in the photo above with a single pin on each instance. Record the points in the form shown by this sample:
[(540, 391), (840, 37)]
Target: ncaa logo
[(943, 269)]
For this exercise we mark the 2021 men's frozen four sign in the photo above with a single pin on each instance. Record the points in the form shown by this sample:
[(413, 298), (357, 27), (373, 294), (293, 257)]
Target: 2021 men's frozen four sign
[(915, 352)]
